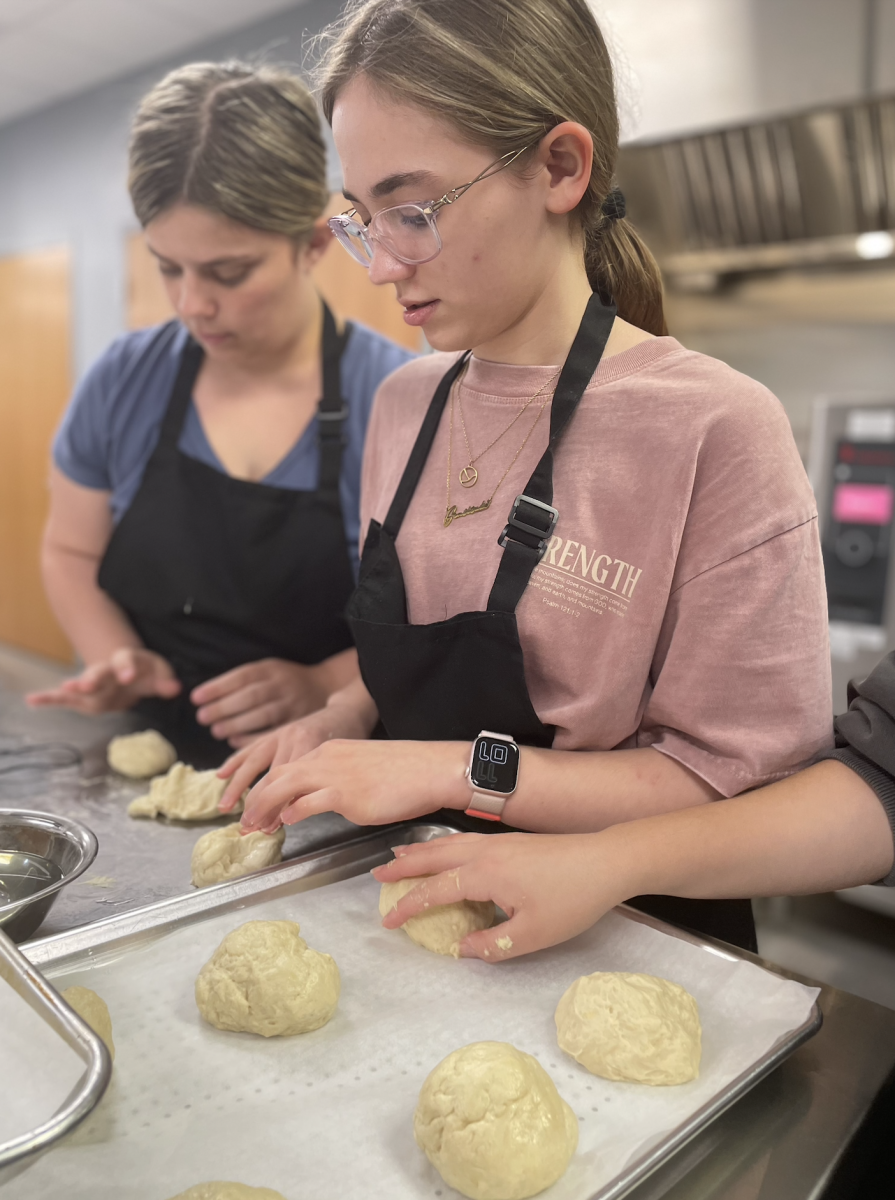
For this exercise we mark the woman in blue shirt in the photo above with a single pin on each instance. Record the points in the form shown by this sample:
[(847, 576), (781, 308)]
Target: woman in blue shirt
[(202, 538)]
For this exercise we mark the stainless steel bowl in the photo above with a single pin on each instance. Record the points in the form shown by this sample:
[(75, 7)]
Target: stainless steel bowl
[(39, 854)]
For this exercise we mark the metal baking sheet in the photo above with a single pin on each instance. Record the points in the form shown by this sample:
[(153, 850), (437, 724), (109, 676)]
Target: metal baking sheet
[(330, 1113)]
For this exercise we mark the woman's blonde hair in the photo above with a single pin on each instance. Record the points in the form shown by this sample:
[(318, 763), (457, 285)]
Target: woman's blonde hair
[(239, 140), (503, 73)]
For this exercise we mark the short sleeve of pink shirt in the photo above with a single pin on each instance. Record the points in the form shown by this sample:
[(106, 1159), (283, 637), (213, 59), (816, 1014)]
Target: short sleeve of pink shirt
[(681, 601)]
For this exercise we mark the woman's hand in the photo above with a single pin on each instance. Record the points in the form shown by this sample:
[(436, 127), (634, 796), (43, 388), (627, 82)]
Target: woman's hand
[(241, 704), (551, 886), (369, 782), (350, 713), (129, 675)]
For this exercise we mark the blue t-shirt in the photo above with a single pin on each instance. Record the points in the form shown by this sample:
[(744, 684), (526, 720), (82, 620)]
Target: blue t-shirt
[(113, 420)]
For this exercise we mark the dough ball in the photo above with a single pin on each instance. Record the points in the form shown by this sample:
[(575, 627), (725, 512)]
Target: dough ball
[(632, 1027), (492, 1123), (264, 979), (93, 1009), (141, 755), (443, 927), (228, 1191), (184, 794), (226, 854)]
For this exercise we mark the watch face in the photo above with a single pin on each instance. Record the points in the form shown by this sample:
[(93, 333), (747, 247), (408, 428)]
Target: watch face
[(495, 765)]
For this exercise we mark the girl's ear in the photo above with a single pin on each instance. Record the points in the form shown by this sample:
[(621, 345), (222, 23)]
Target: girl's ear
[(567, 155), (316, 245)]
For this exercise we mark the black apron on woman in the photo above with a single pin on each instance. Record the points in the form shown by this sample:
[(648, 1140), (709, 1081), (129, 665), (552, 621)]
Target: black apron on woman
[(216, 572), (451, 679)]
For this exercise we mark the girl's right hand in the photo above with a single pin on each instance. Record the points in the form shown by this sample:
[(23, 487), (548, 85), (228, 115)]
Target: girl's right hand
[(285, 745), (128, 675)]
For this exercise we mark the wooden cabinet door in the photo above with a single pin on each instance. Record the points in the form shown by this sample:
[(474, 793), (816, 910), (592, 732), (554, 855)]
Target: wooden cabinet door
[(35, 381)]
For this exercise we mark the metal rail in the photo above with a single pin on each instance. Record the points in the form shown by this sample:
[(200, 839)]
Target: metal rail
[(16, 1155)]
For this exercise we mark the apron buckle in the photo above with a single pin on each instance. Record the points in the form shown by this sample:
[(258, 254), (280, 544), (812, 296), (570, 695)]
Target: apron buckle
[(534, 527)]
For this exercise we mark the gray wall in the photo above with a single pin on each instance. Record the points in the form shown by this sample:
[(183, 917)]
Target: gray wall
[(62, 173)]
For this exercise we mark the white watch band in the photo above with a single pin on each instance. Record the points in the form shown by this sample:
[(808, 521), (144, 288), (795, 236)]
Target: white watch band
[(488, 805)]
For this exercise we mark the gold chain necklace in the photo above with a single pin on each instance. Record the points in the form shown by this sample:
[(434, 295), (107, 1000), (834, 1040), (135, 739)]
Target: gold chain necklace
[(450, 513), (468, 475)]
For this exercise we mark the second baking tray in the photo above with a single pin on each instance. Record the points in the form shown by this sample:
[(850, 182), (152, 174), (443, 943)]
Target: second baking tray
[(330, 1114)]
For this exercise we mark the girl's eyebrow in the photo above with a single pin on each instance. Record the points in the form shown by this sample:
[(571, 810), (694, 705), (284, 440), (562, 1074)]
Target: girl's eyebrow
[(392, 183)]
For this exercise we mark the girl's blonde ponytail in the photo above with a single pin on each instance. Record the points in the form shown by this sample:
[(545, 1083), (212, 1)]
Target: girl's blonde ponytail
[(620, 264)]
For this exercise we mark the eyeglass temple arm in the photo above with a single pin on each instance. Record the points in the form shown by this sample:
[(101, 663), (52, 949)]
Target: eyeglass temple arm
[(492, 169)]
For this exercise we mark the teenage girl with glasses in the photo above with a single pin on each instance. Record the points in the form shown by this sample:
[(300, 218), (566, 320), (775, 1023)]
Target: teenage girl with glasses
[(581, 538)]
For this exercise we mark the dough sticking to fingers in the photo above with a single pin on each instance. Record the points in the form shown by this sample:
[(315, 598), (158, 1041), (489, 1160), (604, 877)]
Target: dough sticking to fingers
[(493, 1125), (141, 755), (227, 854), (184, 794), (442, 927), (631, 1027), (93, 1009)]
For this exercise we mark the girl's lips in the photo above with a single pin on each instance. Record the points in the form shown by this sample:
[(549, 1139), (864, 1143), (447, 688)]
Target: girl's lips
[(419, 314)]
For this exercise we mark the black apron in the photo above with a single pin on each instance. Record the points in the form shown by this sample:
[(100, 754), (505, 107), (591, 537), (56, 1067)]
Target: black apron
[(452, 679), (215, 572)]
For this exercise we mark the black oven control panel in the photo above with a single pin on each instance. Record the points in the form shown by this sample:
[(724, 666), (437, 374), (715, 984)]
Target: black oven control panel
[(858, 535)]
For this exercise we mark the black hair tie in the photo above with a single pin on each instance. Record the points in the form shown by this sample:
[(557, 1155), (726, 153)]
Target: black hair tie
[(613, 207)]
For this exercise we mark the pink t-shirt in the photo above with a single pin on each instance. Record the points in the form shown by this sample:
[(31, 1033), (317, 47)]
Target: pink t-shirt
[(681, 603)]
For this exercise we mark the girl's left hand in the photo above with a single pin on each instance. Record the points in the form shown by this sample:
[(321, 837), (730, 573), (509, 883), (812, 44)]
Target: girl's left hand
[(551, 886), (369, 782)]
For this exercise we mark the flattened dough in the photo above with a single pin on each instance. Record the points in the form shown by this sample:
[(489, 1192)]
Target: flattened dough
[(492, 1123), (226, 854), (443, 927), (141, 755), (632, 1027), (263, 978), (93, 1009), (184, 794), (228, 1191)]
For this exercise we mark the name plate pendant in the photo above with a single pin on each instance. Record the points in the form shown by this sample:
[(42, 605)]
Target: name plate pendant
[(451, 513)]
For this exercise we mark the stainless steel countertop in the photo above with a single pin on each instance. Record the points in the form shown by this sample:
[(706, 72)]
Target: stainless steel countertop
[(783, 1141), (139, 861)]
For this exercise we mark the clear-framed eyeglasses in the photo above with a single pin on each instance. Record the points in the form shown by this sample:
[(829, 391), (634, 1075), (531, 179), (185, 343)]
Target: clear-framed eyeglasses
[(409, 232)]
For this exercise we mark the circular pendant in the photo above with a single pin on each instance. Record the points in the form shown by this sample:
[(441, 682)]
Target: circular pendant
[(468, 476)]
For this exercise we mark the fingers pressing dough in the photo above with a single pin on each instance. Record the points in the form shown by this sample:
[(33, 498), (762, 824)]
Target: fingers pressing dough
[(492, 1123), (184, 794), (442, 927), (226, 854), (92, 1008), (631, 1027), (263, 978), (141, 755), (228, 1191)]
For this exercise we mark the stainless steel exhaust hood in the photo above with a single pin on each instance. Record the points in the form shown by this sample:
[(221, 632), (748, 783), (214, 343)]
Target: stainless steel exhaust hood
[(814, 188)]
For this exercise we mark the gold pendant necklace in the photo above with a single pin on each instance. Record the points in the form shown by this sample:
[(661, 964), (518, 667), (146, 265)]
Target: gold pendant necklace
[(468, 476), (451, 512)]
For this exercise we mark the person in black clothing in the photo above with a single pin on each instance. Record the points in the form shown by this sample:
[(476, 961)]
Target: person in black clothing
[(830, 826)]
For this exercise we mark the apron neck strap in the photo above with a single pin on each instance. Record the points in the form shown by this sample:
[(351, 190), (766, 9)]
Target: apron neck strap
[(332, 409), (533, 518), (421, 447), (181, 394)]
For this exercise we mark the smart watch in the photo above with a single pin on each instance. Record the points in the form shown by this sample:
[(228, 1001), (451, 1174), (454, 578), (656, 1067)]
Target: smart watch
[(493, 772)]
